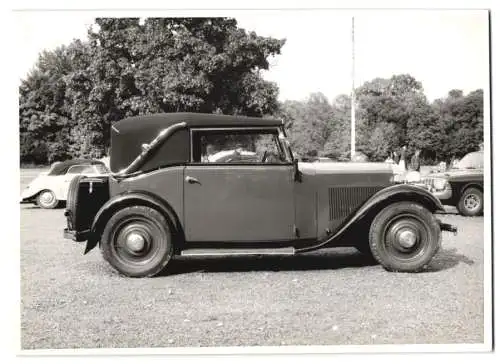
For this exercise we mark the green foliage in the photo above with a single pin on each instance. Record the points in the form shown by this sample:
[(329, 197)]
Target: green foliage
[(74, 93), (310, 124), (390, 113), (381, 141), (127, 67), (460, 122), (339, 141)]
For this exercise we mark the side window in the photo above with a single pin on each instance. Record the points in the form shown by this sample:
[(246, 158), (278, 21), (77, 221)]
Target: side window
[(79, 169), (237, 147)]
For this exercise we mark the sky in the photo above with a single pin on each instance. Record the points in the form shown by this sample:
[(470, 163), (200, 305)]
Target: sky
[(443, 49)]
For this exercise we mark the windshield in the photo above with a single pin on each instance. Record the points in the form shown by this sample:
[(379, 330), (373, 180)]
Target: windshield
[(285, 144), (471, 161)]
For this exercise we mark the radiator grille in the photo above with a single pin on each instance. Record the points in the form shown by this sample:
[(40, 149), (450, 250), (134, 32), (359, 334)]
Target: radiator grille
[(345, 200)]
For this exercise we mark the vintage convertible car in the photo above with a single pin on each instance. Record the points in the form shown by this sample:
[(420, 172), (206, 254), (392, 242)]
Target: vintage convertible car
[(165, 198), (50, 188), (462, 185)]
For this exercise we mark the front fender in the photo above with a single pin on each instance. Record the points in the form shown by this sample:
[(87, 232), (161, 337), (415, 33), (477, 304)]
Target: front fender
[(384, 197), (39, 184), (474, 184), (403, 192), (129, 198), (33, 189)]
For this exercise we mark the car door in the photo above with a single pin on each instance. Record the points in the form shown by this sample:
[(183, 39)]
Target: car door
[(240, 200)]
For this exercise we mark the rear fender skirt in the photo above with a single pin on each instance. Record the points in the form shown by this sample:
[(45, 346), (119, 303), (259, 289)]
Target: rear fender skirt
[(395, 193), (126, 199)]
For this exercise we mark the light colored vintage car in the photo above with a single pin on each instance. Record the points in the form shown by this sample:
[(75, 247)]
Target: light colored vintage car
[(50, 188), (164, 199)]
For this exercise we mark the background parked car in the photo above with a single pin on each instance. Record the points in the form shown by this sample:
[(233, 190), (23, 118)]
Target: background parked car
[(461, 185), (50, 188)]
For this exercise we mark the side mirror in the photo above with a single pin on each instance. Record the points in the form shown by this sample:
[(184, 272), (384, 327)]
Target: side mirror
[(297, 173)]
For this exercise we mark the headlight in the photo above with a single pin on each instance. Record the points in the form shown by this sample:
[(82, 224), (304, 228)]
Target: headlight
[(439, 183)]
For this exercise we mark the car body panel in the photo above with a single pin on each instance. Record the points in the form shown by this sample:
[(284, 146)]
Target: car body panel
[(239, 203), (333, 191), (166, 182)]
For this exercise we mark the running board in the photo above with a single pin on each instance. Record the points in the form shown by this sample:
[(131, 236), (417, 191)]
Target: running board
[(236, 252)]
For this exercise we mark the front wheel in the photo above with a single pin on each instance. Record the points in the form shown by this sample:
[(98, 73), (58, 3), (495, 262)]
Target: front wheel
[(137, 241), (404, 237), (47, 200), (471, 202)]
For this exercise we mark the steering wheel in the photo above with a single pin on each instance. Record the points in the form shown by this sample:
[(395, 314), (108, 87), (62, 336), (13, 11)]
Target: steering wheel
[(264, 157)]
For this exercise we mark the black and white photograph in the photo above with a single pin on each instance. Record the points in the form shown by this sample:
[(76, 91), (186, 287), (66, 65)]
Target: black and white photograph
[(254, 181)]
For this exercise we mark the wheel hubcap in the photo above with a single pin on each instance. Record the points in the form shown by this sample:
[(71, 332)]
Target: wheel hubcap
[(407, 238), (47, 198), (135, 242), (135, 239), (471, 202)]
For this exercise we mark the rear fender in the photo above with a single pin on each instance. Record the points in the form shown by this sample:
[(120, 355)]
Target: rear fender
[(381, 199), (130, 198)]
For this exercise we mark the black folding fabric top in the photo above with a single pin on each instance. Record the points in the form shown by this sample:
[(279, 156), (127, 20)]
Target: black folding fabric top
[(138, 123), (129, 134)]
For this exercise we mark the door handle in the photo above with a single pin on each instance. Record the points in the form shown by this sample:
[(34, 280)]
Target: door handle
[(192, 180)]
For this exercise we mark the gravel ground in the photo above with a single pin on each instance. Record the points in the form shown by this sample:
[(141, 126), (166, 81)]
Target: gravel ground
[(332, 297)]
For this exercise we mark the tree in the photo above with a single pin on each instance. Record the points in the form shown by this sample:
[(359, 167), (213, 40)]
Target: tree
[(394, 112), (43, 120), (381, 141), (460, 120), (130, 68), (390, 113), (339, 140), (309, 122)]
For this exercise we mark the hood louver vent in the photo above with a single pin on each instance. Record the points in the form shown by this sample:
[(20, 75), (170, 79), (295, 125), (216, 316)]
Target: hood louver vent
[(345, 200)]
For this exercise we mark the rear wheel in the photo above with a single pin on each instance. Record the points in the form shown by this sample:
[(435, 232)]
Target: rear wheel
[(471, 202), (47, 200), (137, 241), (404, 237)]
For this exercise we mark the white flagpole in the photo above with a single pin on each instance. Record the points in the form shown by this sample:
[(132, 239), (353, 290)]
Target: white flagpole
[(353, 100)]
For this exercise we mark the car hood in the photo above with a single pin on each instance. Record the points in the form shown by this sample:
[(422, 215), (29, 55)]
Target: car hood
[(345, 167)]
